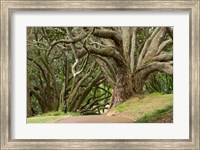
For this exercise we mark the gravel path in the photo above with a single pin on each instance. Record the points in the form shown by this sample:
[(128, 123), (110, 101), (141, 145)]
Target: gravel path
[(95, 119)]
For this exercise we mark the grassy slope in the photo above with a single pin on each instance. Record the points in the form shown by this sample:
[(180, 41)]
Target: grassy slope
[(147, 108), (50, 117), (158, 116)]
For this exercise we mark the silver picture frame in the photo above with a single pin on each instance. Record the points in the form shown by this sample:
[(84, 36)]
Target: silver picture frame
[(8, 6)]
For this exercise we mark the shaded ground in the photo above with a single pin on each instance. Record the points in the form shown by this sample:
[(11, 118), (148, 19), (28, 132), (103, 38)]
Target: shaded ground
[(95, 119), (165, 119)]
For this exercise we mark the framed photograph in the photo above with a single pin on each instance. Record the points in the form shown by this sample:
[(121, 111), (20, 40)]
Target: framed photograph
[(100, 74)]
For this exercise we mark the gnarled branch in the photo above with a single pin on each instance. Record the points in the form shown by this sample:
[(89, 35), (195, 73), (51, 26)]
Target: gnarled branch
[(146, 45), (109, 34)]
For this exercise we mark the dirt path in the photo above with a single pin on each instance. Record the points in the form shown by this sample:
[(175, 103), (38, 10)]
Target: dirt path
[(95, 119)]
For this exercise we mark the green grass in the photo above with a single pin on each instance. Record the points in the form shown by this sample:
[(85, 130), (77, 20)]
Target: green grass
[(44, 119), (151, 104), (52, 113), (59, 113), (50, 117), (156, 115)]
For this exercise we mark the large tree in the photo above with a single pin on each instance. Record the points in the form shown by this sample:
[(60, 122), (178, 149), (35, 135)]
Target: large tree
[(125, 62), (123, 57)]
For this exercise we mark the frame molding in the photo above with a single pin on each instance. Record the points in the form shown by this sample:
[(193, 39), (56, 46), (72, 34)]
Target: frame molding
[(8, 6)]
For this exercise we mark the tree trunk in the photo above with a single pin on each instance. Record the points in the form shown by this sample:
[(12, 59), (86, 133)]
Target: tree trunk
[(123, 88), (138, 83), (29, 111)]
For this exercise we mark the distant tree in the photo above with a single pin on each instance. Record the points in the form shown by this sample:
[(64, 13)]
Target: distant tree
[(29, 110), (159, 82)]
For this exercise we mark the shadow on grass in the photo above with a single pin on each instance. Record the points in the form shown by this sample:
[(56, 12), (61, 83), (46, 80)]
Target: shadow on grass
[(154, 116)]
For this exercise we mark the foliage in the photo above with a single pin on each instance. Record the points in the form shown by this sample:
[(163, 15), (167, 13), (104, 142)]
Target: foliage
[(159, 82), (36, 109)]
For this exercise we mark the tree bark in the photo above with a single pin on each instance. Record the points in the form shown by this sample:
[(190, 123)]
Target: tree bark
[(123, 88), (29, 111)]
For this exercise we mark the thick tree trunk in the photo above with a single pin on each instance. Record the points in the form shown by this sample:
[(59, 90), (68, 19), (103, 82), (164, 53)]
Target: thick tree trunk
[(138, 83), (123, 88), (29, 111)]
